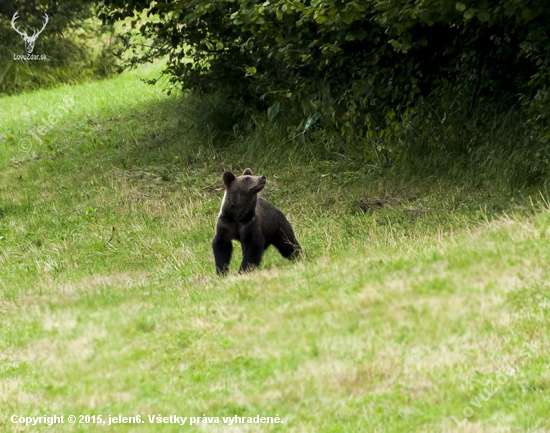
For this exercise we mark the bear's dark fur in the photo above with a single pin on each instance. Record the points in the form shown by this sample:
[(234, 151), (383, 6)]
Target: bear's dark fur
[(252, 221)]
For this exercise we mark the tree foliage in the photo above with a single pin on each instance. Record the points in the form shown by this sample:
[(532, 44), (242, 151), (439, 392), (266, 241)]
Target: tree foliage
[(358, 64)]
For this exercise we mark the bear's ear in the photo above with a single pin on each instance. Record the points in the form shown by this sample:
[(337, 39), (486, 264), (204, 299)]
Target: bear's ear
[(228, 177), (247, 172)]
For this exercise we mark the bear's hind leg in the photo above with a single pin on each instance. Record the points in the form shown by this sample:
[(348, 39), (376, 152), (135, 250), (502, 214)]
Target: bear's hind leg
[(288, 246)]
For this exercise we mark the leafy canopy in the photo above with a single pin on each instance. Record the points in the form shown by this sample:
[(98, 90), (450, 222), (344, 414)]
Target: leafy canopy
[(355, 63)]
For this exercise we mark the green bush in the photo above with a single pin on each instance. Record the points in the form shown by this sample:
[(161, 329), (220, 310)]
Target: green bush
[(457, 88), (352, 63)]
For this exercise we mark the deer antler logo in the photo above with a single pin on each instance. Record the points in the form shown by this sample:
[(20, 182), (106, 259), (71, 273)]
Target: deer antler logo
[(29, 40)]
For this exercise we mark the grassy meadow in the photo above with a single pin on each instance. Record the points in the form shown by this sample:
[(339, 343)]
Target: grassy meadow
[(417, 300)]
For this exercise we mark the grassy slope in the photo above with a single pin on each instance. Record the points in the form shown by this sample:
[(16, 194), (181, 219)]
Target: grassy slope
[(395, 320)]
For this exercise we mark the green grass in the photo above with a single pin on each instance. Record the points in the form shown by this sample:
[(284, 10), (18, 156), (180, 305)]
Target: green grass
[(411, 298)]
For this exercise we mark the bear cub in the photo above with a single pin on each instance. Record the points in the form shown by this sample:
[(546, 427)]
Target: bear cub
[(252, 221)]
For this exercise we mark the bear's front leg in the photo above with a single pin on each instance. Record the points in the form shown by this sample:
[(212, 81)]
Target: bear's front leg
[(252, 256), (223, 248), (252, 242)]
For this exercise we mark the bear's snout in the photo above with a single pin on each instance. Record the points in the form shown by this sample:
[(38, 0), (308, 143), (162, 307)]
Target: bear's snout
[(263, 178)]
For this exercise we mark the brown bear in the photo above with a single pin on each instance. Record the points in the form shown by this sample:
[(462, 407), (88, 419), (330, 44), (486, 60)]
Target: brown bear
[(252, 221)]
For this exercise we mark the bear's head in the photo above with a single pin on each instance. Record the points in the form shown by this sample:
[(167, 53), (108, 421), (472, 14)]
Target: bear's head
[(241, 193), (245, 184)]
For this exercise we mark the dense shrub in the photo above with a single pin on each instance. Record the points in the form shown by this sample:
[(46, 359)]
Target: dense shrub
[(353, 62)]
